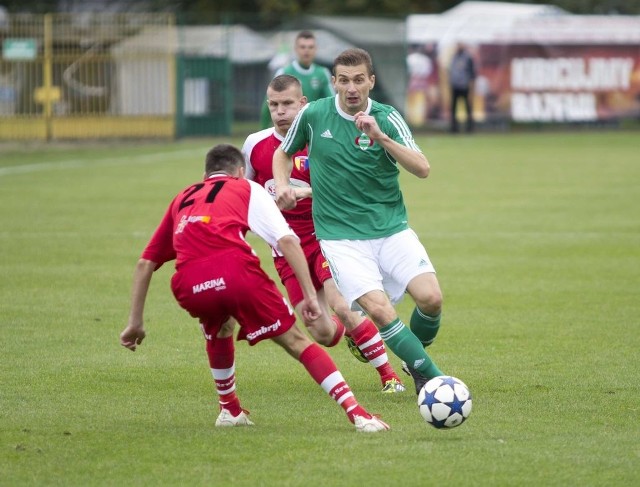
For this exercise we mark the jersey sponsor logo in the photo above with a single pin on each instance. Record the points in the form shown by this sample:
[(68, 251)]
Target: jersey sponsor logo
[(191, 219), (264, 329), (326, 134), (301, 163), (325, 264), (364, 142), (215, 284), (315, 83)]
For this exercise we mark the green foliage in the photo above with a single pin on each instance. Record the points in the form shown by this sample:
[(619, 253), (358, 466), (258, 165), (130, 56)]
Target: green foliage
[(536, 241), (204, 11)]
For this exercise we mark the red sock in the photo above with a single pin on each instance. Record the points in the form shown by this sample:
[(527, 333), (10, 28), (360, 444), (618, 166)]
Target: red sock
[(325, 373), (340, 331), (222, 362), (369, 341)]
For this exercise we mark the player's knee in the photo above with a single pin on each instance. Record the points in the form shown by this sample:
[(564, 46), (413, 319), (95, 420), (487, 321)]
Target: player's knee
[(430, 303)]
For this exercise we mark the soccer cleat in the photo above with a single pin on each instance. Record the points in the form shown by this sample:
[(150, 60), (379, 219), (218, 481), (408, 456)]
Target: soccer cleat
[(370, 425), (393, 386), (355, 351), (418, 378), (226, 419)]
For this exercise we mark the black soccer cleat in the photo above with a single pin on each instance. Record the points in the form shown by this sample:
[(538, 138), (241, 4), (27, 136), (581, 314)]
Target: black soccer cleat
[(418, 378)]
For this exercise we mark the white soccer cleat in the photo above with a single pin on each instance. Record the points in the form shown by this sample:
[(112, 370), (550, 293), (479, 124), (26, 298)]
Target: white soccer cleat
[(226, 419), (372, 425)]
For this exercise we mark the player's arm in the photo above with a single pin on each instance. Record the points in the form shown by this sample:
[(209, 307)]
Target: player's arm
[(302, 193), (134, 333), (290, 248), (408, 156), (266, 221), (282, 166)]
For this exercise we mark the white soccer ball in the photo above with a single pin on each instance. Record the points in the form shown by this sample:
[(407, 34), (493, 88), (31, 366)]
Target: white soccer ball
[(445, 402)]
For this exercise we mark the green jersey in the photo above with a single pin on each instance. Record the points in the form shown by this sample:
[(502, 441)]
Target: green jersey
[(356, 192), (315, 81)]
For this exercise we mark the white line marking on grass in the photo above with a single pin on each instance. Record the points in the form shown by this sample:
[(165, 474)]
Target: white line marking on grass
[(109, 161)]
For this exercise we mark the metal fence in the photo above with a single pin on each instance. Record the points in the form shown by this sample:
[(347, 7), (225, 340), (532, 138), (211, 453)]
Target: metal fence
[(101, 75), (81, 76)]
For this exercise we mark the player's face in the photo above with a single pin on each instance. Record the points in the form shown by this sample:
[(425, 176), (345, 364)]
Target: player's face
[(353, 84), (284, 106), (305, 51)]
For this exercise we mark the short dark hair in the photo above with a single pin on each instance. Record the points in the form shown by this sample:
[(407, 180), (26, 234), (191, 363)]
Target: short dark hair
[(354, 57), (284, 81), (305, 34), (223, 157)]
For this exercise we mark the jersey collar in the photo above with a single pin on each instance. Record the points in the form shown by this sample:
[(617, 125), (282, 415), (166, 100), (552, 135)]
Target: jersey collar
[(345, 115), (298, 67)]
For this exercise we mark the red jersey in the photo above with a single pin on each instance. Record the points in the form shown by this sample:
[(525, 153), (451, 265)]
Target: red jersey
[(212, 218), (258, 152)]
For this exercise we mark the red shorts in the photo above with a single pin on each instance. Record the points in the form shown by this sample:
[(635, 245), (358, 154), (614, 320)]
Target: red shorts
[(234, 284), (318, 266)]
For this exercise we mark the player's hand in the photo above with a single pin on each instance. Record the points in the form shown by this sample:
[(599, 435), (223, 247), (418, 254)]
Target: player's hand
[(132, 336), (368, 125), (285, 197), (311, 310)]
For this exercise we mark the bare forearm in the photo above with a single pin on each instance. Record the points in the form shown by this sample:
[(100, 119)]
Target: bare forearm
[(413, 161), (141, 280), (282, 167)]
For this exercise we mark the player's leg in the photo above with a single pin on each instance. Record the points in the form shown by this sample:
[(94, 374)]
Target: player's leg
[(324, 371), (407, 268), (425, 319), (221, 353), (323, 330), (398, 337), (364, 335), (357, 269)]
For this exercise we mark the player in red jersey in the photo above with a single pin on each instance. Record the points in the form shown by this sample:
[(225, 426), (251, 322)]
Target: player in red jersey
[(218, 278), (285, 99)]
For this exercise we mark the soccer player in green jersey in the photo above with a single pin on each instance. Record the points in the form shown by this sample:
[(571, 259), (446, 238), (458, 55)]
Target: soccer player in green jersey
[(356, 148), (315, 79)]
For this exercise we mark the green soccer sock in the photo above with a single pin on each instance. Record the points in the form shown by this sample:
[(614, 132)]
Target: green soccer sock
[(424, 326), (408, 347)]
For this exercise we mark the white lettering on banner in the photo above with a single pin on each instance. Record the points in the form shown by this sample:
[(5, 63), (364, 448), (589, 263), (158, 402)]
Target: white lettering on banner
[(216, 284), (264, 329), (553, 107), (571, 73)]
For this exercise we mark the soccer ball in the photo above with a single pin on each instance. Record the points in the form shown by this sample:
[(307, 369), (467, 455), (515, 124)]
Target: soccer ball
[(445, 402)]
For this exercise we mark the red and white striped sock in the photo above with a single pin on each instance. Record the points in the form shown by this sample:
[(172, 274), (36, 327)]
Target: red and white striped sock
[(324, 371), (369, 341), (340, 331), (222, 362)]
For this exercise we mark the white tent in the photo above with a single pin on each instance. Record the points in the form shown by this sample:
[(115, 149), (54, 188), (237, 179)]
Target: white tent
[(474, 22)]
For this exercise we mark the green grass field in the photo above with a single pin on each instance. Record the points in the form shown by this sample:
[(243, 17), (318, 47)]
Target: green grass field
[(536, 239)]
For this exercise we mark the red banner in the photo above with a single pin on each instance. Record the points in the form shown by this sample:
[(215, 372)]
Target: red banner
[(566, 83)]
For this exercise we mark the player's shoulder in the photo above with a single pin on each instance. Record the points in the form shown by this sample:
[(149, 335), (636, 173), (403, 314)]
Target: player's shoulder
[(381, 108), (255, 138), (321, 105)]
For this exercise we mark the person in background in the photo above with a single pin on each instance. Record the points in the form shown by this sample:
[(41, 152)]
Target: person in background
[(462, 74), (315, 79), (218, 278)]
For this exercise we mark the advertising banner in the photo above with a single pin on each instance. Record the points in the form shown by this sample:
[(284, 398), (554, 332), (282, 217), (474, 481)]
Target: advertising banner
[(563, 83)]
